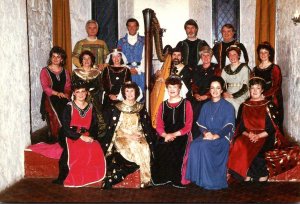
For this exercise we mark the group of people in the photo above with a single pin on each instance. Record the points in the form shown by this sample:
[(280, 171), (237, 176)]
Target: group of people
[(216, 118)]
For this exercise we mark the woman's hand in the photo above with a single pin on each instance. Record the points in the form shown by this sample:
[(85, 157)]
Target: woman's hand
[(198, 97), (86, 139), (112, 97), (208, 136), (253, 137), (227, 95)]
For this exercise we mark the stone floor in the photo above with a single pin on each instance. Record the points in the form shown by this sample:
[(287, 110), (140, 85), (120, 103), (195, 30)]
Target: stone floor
[(42, 190)]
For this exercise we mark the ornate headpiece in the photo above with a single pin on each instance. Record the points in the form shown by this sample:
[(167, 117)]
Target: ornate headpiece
[(78, 84)]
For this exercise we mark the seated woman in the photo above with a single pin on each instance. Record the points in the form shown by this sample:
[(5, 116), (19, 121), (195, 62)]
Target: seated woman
[(174, 123), (113, 77), (207, 163), (254, 135), (128, 140), (236, 76), (82, 161), (92, 77), (56, 84)]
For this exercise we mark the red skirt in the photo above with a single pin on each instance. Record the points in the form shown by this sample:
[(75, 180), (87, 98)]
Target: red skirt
[(86, 163)]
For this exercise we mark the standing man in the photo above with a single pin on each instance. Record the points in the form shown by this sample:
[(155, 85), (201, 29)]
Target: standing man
[(191, 45), (219, 49), (132, 45), (91, 43)]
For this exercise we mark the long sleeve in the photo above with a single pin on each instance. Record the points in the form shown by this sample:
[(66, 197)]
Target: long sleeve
[(67, 88), (66, 120), (46, 82), (128, 75), (160, 125), (189, 119), (229, 121), (276, 82), (201, 121), (94, 125)]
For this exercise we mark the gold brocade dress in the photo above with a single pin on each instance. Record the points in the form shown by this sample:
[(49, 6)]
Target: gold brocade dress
[(136, 151)]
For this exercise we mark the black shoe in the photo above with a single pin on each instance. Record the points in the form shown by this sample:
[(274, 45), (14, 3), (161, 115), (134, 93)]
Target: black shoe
[(58, 182)]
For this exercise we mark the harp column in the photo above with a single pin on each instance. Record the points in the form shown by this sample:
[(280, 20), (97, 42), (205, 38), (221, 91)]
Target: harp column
[(148, 14)]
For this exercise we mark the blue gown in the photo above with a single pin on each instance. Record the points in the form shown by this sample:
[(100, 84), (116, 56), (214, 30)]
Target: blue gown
[(207, 162)]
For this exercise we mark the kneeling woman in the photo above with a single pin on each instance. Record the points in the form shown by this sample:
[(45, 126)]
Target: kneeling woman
[(82, 161), (207, 163), (254, 135), (174, 123), (128, 140)]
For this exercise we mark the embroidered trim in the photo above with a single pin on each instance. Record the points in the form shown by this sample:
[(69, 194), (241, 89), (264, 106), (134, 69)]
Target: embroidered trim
[(82, 112)]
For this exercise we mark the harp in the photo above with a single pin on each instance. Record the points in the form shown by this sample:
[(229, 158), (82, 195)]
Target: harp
[(153, 29)]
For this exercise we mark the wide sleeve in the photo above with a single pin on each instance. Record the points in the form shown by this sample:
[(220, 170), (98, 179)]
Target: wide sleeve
[(94, 125), (128, 75), (201, 121), (105, 82), (189, 119), (160, 125), (229, 121), (46, 82), (276, 82), (66, 121), (67, 88)]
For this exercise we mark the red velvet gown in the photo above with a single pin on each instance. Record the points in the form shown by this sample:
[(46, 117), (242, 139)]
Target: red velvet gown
[(243, 152), (86, 161)]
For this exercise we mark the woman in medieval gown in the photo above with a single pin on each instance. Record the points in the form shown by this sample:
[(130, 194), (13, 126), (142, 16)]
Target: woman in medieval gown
[(113, 77), (207, 163), (128, 141), (56, 85), (174, 123), (82, 161), (255, 135), (236, 76)]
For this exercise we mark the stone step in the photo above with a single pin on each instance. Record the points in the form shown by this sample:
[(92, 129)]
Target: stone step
[(39, 166)]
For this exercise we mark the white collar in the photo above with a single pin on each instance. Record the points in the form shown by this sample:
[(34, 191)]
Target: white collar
[(90, 39), (132, 39)]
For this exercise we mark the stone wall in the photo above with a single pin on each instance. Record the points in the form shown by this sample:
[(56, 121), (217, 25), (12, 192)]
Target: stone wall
[(15, 89), (81, 12), (40, 43), (247, 28), (287, 57)]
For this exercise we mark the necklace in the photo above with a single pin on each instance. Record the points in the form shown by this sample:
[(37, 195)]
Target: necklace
[(214, 112)]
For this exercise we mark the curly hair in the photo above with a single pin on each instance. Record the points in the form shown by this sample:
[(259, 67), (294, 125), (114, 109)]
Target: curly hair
[(257, 81), (267, 46), (61, 52), (130, 85), (89, 53), (173, 80)]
